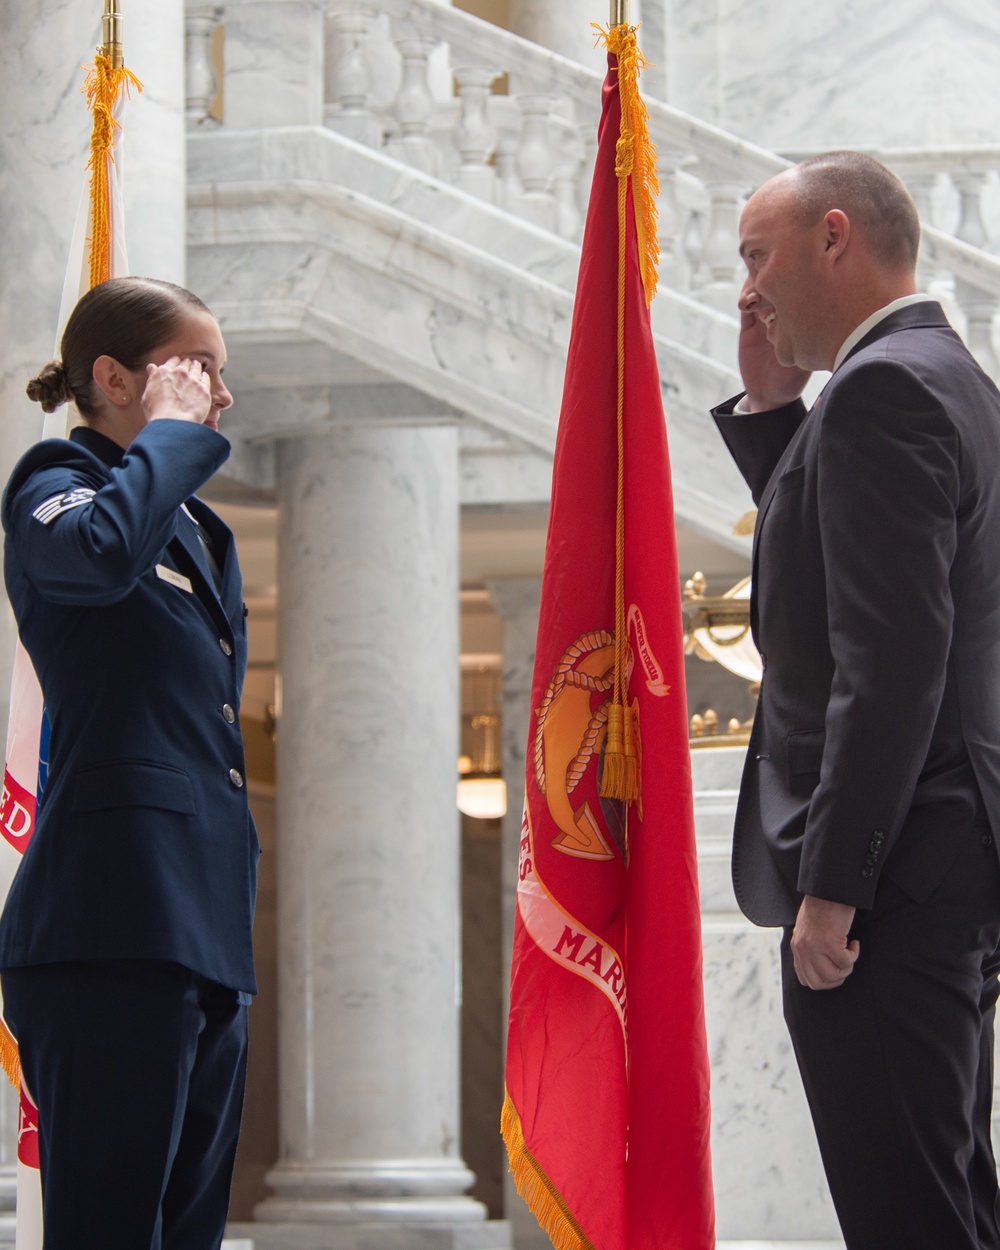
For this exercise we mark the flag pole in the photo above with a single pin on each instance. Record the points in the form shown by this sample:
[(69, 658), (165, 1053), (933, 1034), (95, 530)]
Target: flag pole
[(111, 33), (619, 13)]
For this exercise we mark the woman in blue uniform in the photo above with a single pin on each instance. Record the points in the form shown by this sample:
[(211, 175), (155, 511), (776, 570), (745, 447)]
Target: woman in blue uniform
[(125, 946)]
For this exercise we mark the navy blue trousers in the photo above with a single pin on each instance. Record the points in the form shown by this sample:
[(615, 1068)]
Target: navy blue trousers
[(897, 1064), (138, 1070)]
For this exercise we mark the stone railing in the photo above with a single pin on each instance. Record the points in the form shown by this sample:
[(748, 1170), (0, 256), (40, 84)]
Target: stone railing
[(514, 124)]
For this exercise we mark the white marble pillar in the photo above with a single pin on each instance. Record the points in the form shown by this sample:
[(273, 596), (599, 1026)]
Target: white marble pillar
[(368, 887), (769, 1182), (516, 600)]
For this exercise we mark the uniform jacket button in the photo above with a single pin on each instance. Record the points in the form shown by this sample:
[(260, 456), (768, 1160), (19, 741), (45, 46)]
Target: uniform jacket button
[(228, 712), (225, 646), (236, 777)]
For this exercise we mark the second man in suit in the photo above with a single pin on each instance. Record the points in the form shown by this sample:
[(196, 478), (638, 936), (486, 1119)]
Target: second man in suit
[(871, 793)]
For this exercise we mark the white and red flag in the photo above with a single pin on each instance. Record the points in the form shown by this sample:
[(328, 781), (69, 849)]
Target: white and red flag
[(606, 1115), (97, 252)]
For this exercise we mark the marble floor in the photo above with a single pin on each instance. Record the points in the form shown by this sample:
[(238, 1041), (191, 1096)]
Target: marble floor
[(243, 1243)]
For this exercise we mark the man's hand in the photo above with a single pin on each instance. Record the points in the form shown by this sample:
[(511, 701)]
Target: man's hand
[(823, 956), (768, 384)]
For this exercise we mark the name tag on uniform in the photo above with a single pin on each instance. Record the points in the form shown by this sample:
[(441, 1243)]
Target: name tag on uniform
[(174, 578)]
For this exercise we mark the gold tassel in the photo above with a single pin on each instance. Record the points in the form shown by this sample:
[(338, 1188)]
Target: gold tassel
[(103, 87), (544, 1200), (620, 41)]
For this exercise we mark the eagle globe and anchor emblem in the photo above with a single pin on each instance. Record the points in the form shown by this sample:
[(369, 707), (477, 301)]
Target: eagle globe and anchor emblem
[(571, 733)]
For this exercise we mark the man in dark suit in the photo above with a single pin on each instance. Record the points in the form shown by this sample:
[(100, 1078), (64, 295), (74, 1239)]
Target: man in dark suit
[(871, 792)]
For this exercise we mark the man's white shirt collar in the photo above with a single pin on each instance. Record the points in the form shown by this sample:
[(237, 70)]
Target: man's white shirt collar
[(869, 323)]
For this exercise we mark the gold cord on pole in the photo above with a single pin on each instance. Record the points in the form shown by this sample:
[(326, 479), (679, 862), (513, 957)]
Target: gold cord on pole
[(107, 80), (635, 159)]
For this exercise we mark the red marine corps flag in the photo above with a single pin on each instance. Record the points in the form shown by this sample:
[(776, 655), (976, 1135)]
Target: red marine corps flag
[(606, 1115), (97, 252)]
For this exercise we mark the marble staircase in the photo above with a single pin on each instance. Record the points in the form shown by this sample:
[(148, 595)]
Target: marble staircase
[(387, 210)]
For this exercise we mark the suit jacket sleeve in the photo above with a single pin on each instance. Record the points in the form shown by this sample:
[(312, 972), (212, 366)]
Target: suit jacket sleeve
[(757, 440), (91, 547), (888, 499)]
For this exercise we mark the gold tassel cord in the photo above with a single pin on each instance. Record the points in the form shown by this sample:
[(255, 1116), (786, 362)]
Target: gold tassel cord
[(104, 87), (544, 1200), (620, 41), (635, 159)]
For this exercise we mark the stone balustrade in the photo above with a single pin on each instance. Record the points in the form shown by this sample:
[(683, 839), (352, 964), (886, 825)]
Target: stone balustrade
[(514, 124)]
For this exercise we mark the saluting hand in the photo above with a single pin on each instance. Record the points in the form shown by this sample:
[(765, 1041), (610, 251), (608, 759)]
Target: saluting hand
[(177, 389), (823, 957), (768, 384)]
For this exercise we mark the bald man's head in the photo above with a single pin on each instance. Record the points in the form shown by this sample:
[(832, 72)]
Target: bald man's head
[(876, 203)]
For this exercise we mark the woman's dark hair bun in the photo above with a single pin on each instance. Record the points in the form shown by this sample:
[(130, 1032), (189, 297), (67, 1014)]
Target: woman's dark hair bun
[(51, 388)]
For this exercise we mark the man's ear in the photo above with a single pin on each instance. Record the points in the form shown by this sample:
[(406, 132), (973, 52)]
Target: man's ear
[(113, 381), (836, 233)]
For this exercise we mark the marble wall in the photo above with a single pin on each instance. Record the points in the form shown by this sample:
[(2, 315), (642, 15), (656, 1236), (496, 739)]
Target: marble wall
[(830, 74)]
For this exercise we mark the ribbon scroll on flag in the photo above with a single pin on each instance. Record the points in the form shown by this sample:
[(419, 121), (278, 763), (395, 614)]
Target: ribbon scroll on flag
[(96, 253), (606, 1115)]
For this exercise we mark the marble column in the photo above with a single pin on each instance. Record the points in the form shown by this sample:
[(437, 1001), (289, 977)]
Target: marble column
[(368, 888), (516, 600)]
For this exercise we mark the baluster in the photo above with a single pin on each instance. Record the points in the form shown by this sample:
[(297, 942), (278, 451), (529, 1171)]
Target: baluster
[(721, 251), (475, 136), (535, 163), (413, 108), (201, 83), (673, 264), (920, 183), (979, 308), (505, 114), (569, 158), (347, 109), (969, 184)]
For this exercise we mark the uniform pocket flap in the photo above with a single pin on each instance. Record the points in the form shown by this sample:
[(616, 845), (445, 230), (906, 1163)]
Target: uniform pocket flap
[(805, 751), (133, 784)]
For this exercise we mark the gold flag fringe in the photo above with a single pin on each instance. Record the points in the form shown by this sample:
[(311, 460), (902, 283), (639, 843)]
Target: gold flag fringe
[(635, 159), (544, 1200), (10, 1060), (104, 87)]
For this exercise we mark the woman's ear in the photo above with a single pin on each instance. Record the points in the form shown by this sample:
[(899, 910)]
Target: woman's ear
[(113, 381)]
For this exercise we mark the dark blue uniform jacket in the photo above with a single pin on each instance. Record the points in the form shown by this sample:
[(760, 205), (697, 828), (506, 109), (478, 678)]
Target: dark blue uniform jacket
[(144, 845)]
